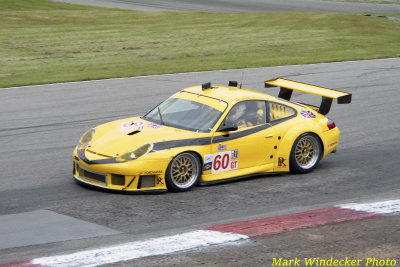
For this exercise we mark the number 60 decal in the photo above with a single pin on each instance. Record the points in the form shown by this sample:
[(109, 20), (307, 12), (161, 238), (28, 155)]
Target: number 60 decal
[(221, 161), (224, 161)]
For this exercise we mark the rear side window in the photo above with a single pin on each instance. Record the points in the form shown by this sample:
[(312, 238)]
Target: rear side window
[(279, 111)]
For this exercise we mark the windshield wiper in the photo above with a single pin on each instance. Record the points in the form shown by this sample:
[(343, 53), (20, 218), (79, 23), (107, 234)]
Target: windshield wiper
[(159, 113)]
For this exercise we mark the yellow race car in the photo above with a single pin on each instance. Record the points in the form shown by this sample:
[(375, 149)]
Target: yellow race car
[(206, 134)]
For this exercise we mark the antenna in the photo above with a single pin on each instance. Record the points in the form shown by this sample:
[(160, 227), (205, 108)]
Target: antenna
[(241, 82)]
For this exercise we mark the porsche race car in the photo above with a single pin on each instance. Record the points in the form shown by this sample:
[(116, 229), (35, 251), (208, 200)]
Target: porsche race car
[(207, 134)]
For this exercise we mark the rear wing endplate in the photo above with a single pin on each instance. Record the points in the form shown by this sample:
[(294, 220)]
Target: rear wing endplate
[(287, 87)]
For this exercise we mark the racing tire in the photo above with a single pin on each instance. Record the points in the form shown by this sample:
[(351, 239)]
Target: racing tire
[(183, 172), (305, 154)]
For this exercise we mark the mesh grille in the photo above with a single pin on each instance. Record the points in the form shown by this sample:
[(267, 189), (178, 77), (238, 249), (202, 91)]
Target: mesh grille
[(94, 176), (147, 181), (117, 179), (91, 176)]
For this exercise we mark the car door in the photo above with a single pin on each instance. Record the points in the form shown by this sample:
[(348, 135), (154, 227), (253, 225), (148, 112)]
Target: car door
[(249, 145)]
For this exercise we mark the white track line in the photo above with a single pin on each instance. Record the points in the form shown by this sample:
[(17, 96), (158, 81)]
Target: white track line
[(133, 250), (384, 207)]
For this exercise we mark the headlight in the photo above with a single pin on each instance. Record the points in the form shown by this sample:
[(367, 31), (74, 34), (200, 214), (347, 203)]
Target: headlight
[(135, 154), (86, 138)]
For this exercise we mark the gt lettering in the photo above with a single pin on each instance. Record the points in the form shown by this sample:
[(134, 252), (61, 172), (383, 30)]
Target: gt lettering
[(234, 164)]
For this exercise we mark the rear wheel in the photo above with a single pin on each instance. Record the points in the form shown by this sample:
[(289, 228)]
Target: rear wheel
[(305, 154), (183, 172)]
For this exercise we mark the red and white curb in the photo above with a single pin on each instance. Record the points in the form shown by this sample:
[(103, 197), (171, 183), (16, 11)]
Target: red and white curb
[(216, 235)]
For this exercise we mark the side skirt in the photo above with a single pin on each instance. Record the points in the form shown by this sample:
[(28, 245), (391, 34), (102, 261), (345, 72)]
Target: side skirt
[(238, 178)]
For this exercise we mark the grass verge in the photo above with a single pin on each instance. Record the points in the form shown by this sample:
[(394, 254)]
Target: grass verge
[(47, 42)]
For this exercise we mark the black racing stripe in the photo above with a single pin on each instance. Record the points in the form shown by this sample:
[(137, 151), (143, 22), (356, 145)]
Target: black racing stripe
[(182, 143), (207, 140), (241, 134), (82, 156)]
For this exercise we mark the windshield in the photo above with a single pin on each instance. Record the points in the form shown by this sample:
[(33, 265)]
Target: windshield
[(184, 114)]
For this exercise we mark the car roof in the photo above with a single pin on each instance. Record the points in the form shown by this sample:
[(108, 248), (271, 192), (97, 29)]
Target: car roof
[(229, 94)]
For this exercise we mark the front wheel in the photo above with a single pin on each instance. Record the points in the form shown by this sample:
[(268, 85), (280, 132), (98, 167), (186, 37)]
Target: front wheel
[(183, 172), (305, 154)]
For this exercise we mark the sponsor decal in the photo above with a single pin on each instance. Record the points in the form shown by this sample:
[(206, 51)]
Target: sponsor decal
[(222, 147), (208, 158), (234, 154), (152, 172), (154, 125), (207, 166), (308, 114), (281, 162), (131, 125), (159, 180)]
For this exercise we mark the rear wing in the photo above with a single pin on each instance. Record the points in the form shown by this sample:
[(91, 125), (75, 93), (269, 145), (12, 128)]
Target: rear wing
[(287, 87)]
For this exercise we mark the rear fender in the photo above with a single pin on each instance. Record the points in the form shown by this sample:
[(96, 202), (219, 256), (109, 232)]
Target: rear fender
[(281, 163)]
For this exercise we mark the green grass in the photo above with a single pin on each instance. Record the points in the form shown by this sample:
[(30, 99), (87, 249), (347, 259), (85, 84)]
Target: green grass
[(46, 42)]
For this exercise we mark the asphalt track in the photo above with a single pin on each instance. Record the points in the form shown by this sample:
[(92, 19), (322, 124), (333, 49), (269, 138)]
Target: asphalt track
[(240, 5), (40, 126)]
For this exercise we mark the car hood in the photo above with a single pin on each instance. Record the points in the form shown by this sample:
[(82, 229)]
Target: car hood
[(118, 137)]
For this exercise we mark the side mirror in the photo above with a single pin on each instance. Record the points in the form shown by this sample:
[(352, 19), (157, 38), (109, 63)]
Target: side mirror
[(228, 128)]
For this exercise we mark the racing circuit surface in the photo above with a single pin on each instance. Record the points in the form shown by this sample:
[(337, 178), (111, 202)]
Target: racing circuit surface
[(240, 5), (40, 125)]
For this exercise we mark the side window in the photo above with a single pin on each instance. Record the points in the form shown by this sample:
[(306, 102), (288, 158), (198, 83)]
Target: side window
[(247, 114), (279, 111)]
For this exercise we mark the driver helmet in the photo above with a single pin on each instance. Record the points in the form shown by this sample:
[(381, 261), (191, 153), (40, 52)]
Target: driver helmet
[(237, 112)]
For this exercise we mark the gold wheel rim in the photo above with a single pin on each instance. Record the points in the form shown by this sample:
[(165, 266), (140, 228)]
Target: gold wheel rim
[(307, 152), (184, 170)]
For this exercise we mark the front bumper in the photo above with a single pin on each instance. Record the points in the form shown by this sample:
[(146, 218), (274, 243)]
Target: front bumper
[(140, 176)]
